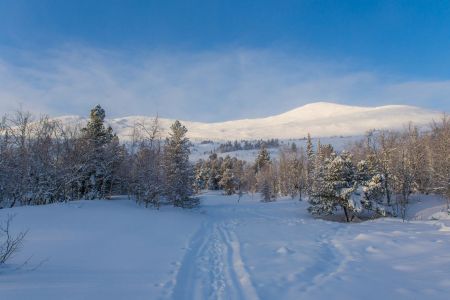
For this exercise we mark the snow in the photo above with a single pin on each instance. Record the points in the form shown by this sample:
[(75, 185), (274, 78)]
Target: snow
[(320, 119), (427, 208), (225, 249), (97, 250)]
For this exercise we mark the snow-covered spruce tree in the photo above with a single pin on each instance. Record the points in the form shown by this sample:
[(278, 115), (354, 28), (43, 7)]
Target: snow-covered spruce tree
[(266, 179), (101, 153), (320, 191), (266, 183), (337, 187), (228, 180), (372, 187), (263, 158), (201, 172), (177, 168), (214, 173)]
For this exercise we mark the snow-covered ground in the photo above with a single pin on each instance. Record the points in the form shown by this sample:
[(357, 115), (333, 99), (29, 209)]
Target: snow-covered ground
[(225, 250)]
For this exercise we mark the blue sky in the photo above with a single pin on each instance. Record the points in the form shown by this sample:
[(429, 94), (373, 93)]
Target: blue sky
[(218, 60)]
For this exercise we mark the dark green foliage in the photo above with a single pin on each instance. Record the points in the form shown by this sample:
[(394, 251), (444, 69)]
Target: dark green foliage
[(177, 168)]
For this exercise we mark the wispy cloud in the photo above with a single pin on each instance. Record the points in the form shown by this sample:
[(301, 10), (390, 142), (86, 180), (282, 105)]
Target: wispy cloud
[(207, 86)]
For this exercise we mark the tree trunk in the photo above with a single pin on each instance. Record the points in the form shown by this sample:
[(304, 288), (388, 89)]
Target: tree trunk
[(346, 214)]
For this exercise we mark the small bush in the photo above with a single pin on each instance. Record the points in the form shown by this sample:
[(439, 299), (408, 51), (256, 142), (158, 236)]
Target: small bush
[(9, 244)]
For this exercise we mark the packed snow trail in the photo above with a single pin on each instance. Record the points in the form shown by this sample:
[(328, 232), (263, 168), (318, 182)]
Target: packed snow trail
[(213, 267)]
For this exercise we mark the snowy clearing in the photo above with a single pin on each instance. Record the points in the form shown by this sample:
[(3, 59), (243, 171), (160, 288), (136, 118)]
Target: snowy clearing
[(224, 250)]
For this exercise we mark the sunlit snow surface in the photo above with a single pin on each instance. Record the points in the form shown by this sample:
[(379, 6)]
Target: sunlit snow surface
[(225, 250)]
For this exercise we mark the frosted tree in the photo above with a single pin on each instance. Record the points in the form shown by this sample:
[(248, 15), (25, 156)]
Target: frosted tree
[(336, 183), (266, 183), (177, 168), (385, 158), (439, 158), (372, 187), (228, 181), (201, 175), (298, 174), (214, 176), (101, 156), (249, 182), (263, 158), (310, 161), (404, 169), (291, 172), (239, 177), (147, 180), (284, 166), (15, 159)]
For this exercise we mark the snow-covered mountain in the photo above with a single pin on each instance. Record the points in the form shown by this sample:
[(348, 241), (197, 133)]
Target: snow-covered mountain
[(321, 119)]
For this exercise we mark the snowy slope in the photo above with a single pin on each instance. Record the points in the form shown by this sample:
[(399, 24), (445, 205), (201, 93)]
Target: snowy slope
[(320, 119), (223, 250)]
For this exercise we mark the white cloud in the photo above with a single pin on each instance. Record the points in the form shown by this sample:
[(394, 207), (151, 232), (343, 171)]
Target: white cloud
[(204, 86)]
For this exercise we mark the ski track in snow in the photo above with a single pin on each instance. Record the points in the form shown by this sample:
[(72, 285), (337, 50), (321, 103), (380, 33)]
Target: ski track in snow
[(213, 267)]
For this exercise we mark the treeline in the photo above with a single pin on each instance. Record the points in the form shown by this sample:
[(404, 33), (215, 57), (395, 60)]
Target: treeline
[(271, 177), (247, 145), (45, 161)]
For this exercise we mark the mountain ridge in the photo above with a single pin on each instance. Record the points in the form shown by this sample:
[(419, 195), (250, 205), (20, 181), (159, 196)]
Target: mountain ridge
[(320, 119)]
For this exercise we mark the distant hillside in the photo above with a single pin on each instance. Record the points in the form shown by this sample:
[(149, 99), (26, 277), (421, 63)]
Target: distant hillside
[(321, 119)]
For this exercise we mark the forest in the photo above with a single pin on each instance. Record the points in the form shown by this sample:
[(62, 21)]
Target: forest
[(44, 161)]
